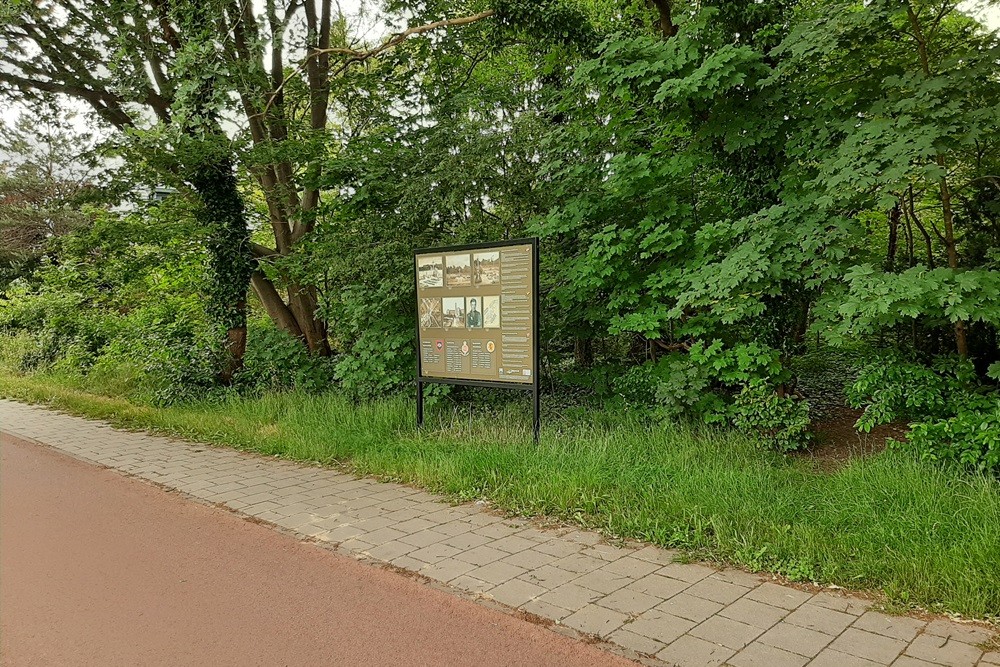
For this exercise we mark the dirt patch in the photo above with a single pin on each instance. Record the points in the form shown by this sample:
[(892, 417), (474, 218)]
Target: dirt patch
[(837, 441)]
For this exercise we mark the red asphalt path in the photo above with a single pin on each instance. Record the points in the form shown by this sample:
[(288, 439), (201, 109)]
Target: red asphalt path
[(100, 569)]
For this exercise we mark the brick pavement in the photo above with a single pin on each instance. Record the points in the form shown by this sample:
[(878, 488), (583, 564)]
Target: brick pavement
[(636, 598)]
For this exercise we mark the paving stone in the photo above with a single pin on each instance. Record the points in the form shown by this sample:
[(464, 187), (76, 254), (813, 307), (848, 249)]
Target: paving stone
[(660, 626), (481, 555), (642, 645), (410, 564), (391, 550), (991, 658), (877, 648), (727, 632), (497, 572), (690, 607), (629, 602), (445, 570), (570, 596), (631, 566), (582, 537), (657, 586), (717, 591), (830, 658), (944, 651), (796, 639), (763, 655), (779, 596), (453, 529), (353, 546), (603, 581), (312, 530), (596, 620), (466, 541), (907, 661), (754, 613), (695, 652), (424, 538), (512, 544), (845, 603), (963, 632), (897, 627), (494, 531), (558, 548), (470, 584), (692, 574), (516, 592), (607, 552), (818, 618), (382, 535), (546, 610), (548, 576), (437, 552), (579, 563), (414, 525), (534, 535), (738, 577), (529, 559)]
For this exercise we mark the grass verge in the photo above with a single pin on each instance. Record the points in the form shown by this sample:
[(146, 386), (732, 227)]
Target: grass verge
[(919, 534)]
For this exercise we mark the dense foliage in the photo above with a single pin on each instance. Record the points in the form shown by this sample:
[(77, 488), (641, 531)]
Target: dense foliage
[(721, 188)]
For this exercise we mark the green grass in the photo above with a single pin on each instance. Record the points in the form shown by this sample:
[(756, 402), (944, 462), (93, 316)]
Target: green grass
[(918, 534)]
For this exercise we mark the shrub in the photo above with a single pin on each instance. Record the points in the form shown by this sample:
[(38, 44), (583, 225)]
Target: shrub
[(953, 416)]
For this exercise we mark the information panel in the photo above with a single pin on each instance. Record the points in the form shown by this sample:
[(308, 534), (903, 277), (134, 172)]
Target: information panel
[(476, 312)]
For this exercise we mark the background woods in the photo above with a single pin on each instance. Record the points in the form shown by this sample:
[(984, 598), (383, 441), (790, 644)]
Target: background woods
[(745, 207)]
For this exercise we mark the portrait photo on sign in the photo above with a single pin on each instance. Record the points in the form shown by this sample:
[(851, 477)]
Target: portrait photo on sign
[(473, 316), (486, 268), (458, 270), (430, 313), (491, 312), (430, 271), (454, 312)]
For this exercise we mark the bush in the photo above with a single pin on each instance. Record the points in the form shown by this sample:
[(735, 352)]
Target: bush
[(782, 421), (953, 416), (277, 362), (715, 384)]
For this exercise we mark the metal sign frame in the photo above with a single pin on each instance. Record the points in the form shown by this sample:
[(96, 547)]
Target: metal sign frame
[(535, 385)]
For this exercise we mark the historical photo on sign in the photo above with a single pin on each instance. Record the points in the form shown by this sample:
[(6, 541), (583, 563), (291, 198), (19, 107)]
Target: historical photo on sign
[(454, 312), (430, 313), (474, 316), (458, 270), (491, 312), (486, 268), (430, 271)]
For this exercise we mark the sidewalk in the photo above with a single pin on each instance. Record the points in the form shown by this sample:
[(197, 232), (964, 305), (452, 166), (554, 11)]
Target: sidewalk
[(637, 599)]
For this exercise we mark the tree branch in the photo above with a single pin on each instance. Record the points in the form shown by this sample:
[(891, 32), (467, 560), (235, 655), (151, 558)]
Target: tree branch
[(356, 56)]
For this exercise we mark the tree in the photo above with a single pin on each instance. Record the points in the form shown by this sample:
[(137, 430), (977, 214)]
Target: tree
[(44, 171)]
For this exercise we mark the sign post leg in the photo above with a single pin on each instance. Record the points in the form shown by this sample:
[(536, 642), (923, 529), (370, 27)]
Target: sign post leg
[(420, 403), (536, 423)]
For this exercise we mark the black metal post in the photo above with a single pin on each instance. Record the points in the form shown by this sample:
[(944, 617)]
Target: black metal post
[(536, 424), (536, 384), (420, 403)]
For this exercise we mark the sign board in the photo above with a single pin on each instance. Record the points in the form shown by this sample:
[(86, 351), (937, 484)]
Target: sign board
[(477, 315)]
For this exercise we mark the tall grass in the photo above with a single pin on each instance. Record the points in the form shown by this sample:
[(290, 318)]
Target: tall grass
[(920, 534)]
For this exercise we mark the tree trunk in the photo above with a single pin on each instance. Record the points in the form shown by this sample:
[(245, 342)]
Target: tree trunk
[(666, 24), (303, 303), (961, 344), (230, 262), (890, 255)]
